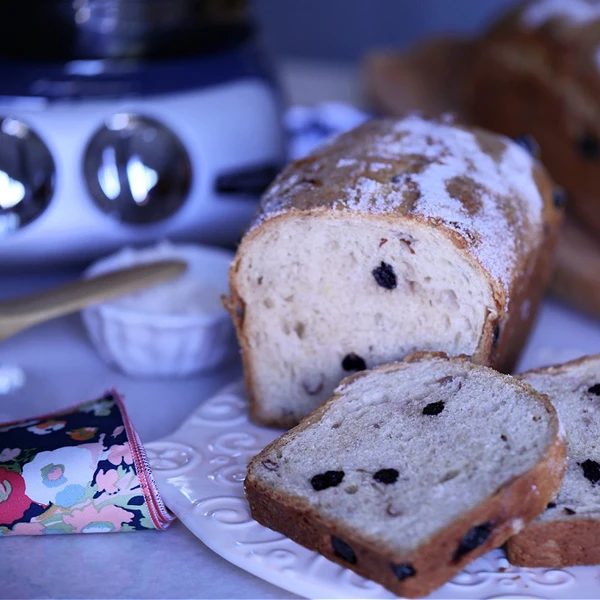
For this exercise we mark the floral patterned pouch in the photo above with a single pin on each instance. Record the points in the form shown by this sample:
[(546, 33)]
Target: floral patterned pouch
[(81, 470)]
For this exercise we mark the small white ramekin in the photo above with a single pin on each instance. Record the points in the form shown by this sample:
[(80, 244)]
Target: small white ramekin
[(150, 343)]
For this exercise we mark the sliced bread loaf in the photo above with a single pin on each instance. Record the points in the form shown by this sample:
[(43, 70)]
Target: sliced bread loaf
[(568, 531), (411, 470), (397, 237)]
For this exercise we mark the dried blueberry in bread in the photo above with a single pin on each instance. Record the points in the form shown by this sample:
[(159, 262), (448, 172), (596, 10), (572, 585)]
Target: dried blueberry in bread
[(398, 236), (568, 531), (421, 495)]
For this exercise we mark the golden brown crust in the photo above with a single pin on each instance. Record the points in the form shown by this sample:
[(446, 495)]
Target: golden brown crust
[(529, 288), (511, 507), (329, 179), (560, 368), (556, 544), (543, 81), (319, 185)]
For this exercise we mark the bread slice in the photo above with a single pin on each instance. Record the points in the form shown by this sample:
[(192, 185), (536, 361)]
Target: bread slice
[(398, 237), (412, 470), (568, 531)]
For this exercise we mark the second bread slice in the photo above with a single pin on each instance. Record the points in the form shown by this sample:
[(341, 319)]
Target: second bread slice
[(412, 470), (568, 531)]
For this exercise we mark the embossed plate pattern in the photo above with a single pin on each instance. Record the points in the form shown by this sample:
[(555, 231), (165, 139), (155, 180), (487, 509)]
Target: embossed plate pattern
[(200, 471)]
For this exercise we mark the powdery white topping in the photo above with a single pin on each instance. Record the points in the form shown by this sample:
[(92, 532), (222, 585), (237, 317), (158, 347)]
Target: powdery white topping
[(456, 153), (578, 12), (459, 155), (495, 236), (345, 162), (375, 167)]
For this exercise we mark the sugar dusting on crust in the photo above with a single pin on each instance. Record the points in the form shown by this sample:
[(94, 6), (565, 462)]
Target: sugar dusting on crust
[(578, 12), (478, 184)]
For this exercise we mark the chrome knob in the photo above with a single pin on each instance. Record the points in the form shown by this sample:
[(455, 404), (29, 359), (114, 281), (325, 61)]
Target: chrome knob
[(137, 170), (27, 176)]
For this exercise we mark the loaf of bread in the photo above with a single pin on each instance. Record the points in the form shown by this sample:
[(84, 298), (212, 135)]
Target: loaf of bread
[(412, 470), (537, 71), (568, 531), (396, 237), (427, 77)]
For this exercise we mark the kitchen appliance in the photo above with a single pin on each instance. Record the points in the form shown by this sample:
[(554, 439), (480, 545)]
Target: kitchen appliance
[(127, 121)]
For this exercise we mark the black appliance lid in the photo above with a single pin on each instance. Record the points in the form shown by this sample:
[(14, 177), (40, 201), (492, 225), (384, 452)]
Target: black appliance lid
[(67, 30)]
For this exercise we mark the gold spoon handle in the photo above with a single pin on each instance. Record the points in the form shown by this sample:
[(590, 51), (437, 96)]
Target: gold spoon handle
[(20, 313)]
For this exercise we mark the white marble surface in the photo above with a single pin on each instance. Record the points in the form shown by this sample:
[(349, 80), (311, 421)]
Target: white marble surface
[(62, 369)]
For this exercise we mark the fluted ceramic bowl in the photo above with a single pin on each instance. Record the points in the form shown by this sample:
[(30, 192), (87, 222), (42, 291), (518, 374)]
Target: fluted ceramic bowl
[(173, 329)]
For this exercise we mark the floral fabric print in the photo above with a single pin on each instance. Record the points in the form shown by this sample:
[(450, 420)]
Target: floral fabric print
[(79, 471)]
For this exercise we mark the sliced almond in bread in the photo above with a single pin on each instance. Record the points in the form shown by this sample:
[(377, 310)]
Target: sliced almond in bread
[(568, 531), (412, 470)]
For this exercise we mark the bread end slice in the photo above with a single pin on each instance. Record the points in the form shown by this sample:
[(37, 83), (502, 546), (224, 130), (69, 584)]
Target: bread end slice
[(567, 533)]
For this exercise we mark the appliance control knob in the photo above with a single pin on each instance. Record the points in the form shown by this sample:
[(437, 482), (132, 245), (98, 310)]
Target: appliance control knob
[(27, 176), (137, 170)]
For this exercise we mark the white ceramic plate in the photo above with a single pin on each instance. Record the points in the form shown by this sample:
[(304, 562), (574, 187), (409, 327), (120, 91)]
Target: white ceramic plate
[(200, 471)]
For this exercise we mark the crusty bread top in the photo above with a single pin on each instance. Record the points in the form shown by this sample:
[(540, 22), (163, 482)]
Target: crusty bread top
[(573, 12), (485, 189), (557, 41)]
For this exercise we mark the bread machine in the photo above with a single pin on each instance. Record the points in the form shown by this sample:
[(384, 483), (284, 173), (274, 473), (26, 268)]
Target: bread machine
[(127, 121)]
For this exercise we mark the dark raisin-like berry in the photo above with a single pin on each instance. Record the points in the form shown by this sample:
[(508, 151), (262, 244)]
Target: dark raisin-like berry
[(589, 146), (434, 408), (343, 550), (403, 571), (385, 276), (595, 389), (559, 197), (386, 476), (591, 470), (551, 505), (569, 511), (530, 144), (353, 362), (322, 481), (109, 396), (475, 537)]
